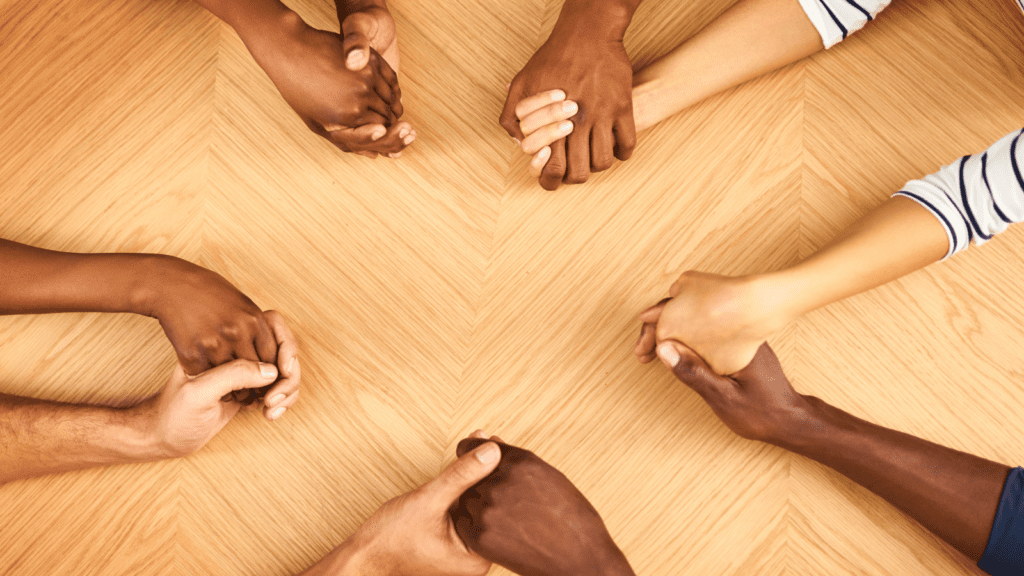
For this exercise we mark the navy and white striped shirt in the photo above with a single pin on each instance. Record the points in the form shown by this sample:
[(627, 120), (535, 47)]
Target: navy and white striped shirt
[(974, 198)]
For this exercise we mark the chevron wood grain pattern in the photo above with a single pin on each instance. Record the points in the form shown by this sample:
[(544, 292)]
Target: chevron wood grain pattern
[(446, 291)]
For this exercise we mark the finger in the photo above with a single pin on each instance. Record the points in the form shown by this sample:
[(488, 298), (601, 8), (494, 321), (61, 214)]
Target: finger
[(647, 358), (284, 389), (653, 314), (578, 148), (462, 474), (532, 104), (194, 363), (648, 340), (625, 136), (508, 119), (551, 114), (394, 139), (265, 341), (387, 75), (691, 369), (539, 160), (602, 144), (235, 375), (554, 171), (479, 434), (545, 136), (283, 340), (498, 440), (356, 29), (277, 411)]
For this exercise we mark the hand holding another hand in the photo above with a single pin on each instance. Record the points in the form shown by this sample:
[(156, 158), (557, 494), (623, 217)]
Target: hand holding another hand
[(757, 402), (528, 517), (413, 535), (189, 411), (343, 90), (589, 64)]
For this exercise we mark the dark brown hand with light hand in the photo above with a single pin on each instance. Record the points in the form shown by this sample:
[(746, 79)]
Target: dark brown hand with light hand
[(585, 58), (528, 517), (356, 109)]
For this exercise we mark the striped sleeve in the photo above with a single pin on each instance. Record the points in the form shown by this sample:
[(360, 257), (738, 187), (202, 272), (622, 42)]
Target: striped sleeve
[(837, 19), (977, 196)]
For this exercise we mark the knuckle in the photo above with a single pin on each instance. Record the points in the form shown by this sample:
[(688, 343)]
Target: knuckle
[(209, 344), (230, 332), (576, 177), (601, 164)]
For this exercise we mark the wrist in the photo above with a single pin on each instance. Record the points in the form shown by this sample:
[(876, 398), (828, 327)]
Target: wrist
[(138, 436), (267, 29), (776, 298), (596, 20), (148, 283), (348, 559), (807, 427)]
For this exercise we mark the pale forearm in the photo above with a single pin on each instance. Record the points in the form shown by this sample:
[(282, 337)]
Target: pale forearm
[(39, 281), (38, 437), (347, 559), (895, 239), (951, 493), (750, 39)]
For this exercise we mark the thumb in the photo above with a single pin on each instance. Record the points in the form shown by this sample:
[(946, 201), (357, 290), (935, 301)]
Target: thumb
[(691, 369), (461, 475), (235, 375), (357, 31)]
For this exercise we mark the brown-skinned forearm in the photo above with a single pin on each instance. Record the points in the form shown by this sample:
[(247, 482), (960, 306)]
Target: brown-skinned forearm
[(40, 281), (38, 437), (951, 493), (750, 39), (602, 19)]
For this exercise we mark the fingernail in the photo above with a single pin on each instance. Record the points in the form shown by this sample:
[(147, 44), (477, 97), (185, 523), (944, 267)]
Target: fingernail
[(267, 370), (354, 57), (668, 354), (408, 140), (557, 95), (518, 143), (544, 153), (488, 454), (378, 134), (277, 413), (395, 155), (403, 133), (565, 127), (481, 433), (291, 364), (275, 400), (570, 107)]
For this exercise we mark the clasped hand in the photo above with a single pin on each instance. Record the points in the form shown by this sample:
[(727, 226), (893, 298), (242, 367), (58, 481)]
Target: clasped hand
[(595, 73)]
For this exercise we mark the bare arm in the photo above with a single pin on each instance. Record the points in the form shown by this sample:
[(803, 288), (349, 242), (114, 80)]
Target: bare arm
[(750, 39), (39, 437), (951, 493), (352, 100)]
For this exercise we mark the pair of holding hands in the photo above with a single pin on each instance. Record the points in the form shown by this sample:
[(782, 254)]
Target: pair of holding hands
[(231, 354), (502, 504), (495, 504), (345, 88)]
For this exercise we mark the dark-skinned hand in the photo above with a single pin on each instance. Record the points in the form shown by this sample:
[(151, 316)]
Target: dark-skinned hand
[(209, 323), (355, 108), (593, 70), (528, 517), (757, 403)]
